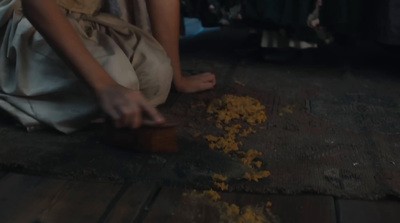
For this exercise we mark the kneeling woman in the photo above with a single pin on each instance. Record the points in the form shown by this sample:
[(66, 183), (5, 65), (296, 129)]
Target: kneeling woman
[(63, 62)]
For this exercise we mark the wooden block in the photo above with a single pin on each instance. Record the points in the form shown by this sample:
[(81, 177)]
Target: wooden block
[(172, 206), (368, 211), (152, 139), (131, 204)]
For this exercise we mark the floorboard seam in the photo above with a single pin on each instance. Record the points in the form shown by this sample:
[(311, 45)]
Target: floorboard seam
[(147, 205), (337, 214), (114, 201)]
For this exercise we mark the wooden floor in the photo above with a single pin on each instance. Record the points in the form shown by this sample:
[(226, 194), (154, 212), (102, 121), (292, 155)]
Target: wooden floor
[(35, 199), (26, 198)]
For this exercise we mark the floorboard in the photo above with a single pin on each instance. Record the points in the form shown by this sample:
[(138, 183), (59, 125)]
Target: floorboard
[(26, 198), (173, 206), (368, 211), (81, 202), (37, 199), (131, 203)]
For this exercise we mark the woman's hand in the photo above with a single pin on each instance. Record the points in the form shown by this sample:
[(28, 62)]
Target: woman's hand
[(195, 83), (128, 108)]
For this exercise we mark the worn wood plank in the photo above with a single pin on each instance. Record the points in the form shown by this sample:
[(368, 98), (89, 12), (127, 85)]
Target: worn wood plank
[(81, 202), (368, 211), (172, 206), (131, 203), (299, 209), (26, 198), (52, 200)]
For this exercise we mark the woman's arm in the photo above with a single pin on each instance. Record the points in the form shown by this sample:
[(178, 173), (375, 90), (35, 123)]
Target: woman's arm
[(164, 18), (125, 106), (48, 19)]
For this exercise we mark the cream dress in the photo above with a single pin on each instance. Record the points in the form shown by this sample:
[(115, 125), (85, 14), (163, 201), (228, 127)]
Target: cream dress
[(38, 87)]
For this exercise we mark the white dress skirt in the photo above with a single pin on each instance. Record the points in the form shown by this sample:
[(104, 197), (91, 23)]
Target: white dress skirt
[(38, 87)]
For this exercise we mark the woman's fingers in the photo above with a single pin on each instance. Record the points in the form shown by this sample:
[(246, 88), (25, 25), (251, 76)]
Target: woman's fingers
[(112, 113), (196, 83), (125, 118), (116, 117), (206, 85), (204, 81), (136, 117), (209, 77), (126, 106), (152, 112), (208, 81), (131, 114), (212, 79)]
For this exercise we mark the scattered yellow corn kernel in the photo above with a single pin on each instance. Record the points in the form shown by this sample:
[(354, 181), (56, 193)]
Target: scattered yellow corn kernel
[(251, 215), (258, 164), (232, 107), (257, 176), (250, 156), (288, 109), (232, 209), (213, 195), (211, 138), (219, 177), (221, 186), (196, 135)]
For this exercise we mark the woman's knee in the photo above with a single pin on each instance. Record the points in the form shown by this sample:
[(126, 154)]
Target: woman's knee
[(156, 85)]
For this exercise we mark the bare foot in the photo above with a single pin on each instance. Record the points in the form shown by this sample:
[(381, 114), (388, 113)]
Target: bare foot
[(195, 83)]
